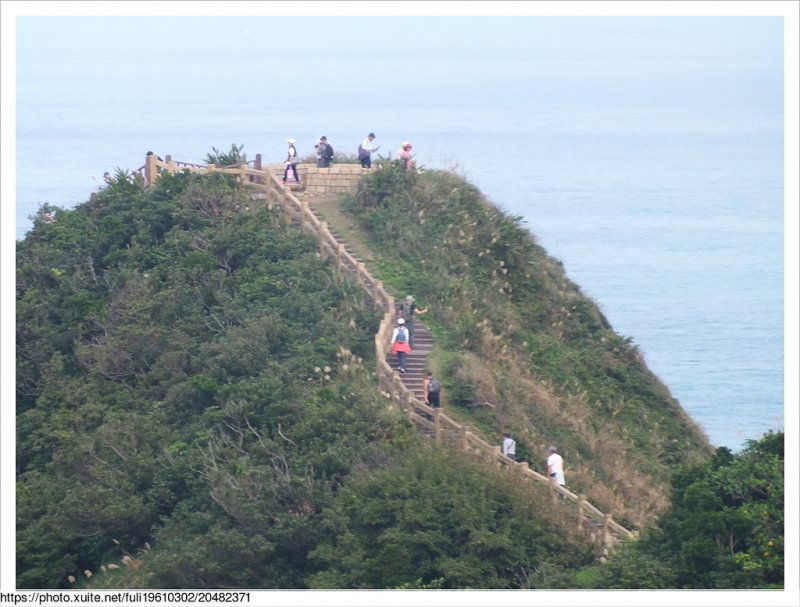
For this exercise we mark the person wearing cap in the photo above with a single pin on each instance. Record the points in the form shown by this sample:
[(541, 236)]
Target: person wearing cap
[(400, 345), (555, 466), (405, 155), (408, 309), (365, 151), (291, 161), (324, 152)]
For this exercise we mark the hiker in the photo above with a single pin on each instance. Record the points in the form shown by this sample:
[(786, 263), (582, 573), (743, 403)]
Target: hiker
[(324, 152), (400, 345), (365, 151), (555, 466), (291, 161), (405, 155), (509, 446), (408, 309), (432, 388)]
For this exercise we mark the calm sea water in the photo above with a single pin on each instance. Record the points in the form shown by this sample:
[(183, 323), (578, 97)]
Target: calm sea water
[(645, 153)]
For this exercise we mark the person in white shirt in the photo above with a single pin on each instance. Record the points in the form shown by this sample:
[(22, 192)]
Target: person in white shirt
[(366, 149), (555, 466), (509, 446)]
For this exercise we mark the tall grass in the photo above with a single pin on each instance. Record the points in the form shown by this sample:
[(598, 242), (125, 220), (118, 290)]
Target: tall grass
[(522, 349)]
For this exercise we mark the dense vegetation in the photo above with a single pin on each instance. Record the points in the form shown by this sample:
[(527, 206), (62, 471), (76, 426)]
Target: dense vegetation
[(517, 334), (194, 406), (724, 529)]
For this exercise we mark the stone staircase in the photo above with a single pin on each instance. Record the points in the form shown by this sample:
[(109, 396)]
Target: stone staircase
[(423, 340), (599, 525), (415, 361)]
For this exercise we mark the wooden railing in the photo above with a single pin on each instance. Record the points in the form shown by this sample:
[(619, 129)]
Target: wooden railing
[(444, 428)]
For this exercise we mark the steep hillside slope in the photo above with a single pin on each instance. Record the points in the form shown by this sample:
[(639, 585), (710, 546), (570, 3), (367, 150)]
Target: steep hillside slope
[(196, 409), (522, 349)]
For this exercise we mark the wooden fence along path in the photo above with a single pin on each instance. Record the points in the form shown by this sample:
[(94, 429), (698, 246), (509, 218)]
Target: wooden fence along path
[(404, 390)]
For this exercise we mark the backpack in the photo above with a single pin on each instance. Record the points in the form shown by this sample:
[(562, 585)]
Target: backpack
[(328, 151), (407, 310), (434, 386), (402, 334)]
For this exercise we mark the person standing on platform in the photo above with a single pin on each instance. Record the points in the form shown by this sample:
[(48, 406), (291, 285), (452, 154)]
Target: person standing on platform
[(405, 155), (291, 161), (365, 151), (324, 153)]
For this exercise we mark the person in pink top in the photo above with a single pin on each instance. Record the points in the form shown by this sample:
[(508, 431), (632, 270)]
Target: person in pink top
[(405, 154)]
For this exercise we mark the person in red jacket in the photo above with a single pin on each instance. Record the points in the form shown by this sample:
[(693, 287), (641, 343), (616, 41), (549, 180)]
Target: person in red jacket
[(400, 345)]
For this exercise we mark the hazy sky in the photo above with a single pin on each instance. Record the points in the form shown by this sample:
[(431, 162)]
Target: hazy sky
[(193, 38)]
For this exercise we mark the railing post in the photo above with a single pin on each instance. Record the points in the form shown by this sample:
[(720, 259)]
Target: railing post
[(323, 229), (465, 439), (606, 532), (257, 167), (304, 222), (288, 211), (172, 166), (150, 168), (581, 502), (378, 357), (359, 272), (409, 405), (437, 426), (496, 456)]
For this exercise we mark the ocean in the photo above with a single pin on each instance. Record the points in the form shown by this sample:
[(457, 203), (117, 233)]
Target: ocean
[(646, 153)]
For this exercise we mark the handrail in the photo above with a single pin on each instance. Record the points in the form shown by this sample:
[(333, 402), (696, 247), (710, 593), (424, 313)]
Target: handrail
[(388, 380)]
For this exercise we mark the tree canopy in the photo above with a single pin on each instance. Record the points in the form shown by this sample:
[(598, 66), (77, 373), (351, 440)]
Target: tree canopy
[(724, 529), (196, 408)]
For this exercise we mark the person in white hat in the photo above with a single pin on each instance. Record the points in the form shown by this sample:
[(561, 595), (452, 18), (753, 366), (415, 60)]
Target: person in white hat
[(291, 161), (400, 344)]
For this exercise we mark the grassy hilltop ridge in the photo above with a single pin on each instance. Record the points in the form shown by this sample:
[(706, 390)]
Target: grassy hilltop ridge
[(196, 406), (515, 332)]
